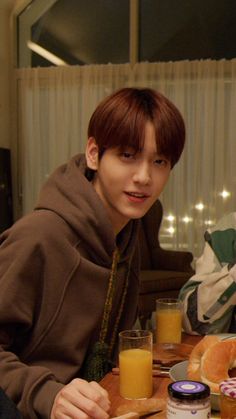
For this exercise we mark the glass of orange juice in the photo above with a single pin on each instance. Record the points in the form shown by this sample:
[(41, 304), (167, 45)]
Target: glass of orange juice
[(135, 364), (168, 320)]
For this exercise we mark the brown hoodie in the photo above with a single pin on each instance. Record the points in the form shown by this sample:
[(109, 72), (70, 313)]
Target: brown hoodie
[(55, 264)]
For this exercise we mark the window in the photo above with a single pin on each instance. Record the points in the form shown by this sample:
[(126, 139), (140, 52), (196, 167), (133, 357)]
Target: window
[(75, 31), (100, 31), (173, 30)]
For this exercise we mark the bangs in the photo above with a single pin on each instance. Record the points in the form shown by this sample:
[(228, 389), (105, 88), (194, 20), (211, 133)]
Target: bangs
[(128, 133), (170, 136)]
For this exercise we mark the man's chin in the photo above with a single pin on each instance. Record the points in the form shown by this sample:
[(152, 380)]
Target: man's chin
[(139, 214), (134, 213)]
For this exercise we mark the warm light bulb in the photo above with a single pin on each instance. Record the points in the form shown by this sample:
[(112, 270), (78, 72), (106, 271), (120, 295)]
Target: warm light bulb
[(187, 219), (171, 230), (225, 194), (208, 222), (170, 218), (199, 206)]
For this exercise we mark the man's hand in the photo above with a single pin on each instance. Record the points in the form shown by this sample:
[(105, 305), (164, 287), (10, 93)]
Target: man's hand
[(81, 400)]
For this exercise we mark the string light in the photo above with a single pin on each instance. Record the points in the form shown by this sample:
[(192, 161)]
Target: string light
[(199, 206), (187, 219), (209, 222), (225, 194), (171, 230), (170, 218)]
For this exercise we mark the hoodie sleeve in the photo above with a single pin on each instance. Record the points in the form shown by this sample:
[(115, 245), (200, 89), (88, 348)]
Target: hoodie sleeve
[(32, 387), (209, 296)]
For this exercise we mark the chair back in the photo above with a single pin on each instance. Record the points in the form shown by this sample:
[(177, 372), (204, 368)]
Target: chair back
[(148, 234)]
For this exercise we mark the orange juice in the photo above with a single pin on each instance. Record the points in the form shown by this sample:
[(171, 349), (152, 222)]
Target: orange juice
[(168, 325), (135, 373)]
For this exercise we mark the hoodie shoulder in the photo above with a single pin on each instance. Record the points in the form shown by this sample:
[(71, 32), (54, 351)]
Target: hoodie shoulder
[(40, 226)]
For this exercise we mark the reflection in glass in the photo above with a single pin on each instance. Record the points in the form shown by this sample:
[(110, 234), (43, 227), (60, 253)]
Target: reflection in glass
[(172, 30), (78, 31)]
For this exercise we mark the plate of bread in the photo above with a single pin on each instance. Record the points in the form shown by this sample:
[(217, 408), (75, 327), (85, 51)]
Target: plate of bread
[(211, 361)]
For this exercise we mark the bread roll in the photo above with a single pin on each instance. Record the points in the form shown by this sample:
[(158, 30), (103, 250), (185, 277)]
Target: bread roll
[(211, 360), (195, 358), (216, 363)]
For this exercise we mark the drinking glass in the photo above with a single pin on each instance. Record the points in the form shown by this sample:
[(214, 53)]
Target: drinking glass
[(168, 320), (135, 364)]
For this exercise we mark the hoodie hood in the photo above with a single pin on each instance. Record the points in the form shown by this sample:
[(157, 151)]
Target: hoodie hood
[(69, 194)]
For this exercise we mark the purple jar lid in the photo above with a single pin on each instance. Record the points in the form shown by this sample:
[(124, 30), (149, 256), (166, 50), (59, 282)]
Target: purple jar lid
[(188, 389), (228, 387)]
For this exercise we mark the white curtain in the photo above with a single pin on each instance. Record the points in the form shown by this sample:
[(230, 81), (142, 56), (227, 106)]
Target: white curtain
[(55, 104)]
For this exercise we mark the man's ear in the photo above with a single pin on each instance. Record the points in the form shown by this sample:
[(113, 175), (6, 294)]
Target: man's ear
[(92, 153)]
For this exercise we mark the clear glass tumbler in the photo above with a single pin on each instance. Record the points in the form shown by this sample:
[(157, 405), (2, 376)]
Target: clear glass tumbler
[(168, 320), (135, 364)]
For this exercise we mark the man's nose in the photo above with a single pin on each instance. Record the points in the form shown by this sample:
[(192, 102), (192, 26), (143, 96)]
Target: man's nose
[(143, 174)]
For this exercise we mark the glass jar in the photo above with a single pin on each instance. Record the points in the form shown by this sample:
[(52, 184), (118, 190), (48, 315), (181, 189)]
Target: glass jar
[(228, 398), (188, 399)]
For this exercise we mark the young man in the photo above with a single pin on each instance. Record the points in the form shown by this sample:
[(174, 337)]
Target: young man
[(209, 297), (69, 270)]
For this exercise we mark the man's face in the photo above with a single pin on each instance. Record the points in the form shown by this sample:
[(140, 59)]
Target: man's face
[(128, 183)]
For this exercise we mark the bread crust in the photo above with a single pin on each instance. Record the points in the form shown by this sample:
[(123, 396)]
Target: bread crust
[(195, 359), (210, 361), (216, 363)]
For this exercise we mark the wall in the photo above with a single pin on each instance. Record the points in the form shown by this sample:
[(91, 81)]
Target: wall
[(8, 12), (9, 9), (5, 65)]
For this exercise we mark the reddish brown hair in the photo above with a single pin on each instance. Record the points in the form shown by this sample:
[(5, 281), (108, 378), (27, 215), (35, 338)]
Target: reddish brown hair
[(120, 121)]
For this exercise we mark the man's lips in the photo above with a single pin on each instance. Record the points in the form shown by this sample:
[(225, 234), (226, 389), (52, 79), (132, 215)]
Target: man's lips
[(137, 195)]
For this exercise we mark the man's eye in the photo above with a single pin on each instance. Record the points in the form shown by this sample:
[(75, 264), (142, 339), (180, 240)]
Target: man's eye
[(161, 162), (127, 155)]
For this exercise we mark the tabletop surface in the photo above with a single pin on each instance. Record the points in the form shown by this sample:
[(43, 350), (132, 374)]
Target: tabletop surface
[(119, 405)]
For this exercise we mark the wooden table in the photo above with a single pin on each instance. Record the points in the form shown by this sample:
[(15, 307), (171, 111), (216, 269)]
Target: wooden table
[(111, 383)]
